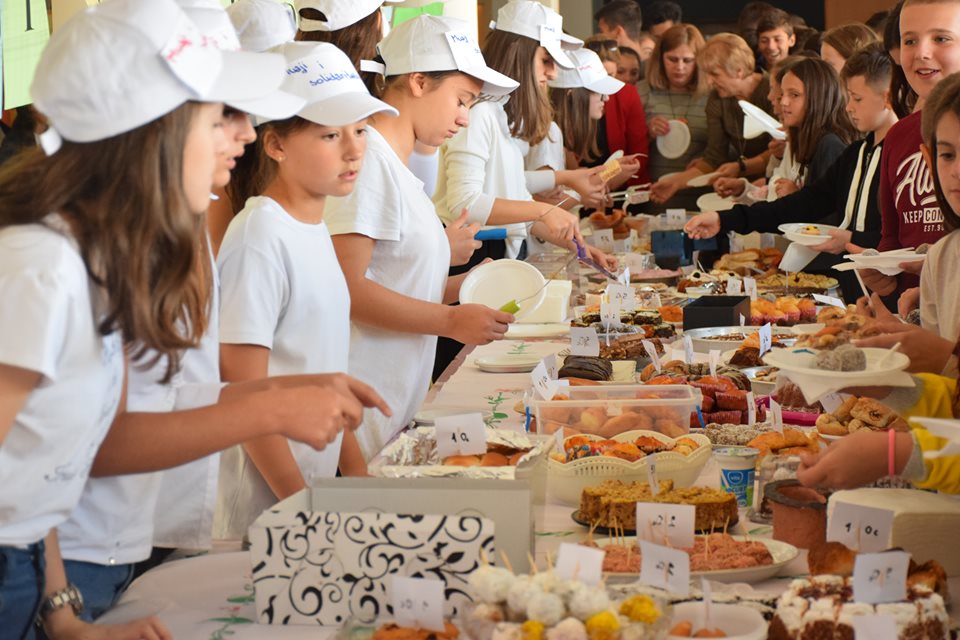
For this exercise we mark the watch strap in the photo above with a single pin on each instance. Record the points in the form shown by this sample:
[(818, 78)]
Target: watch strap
[(55, 601)]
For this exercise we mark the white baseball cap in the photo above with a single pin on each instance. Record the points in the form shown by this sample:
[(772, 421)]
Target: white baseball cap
[(323, 75), (431, 43), (538, 22), (338, 13), (588, 73), (263, 24), (117, 66), (214, 22)]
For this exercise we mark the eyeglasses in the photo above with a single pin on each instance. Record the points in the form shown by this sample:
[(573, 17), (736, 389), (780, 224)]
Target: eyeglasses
[(598, 45)]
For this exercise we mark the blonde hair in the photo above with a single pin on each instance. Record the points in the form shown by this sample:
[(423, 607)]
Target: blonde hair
[(727, 51), (677, 36)]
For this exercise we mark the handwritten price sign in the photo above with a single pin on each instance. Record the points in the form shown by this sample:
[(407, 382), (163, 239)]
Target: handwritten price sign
[(418, 603), (865, 529), (462, 435)]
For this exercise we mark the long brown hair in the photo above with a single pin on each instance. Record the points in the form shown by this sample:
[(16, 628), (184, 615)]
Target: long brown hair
[(358, 40), (825, 109), (848, 38), (255, 170), (124, 200), (677, 36), (528, 111), (571, 109), (944, 99)]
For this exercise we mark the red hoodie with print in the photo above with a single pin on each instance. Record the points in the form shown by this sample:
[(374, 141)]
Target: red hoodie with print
[(908, 202)]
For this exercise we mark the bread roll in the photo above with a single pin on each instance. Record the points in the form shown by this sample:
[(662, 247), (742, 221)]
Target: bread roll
[(493, 459), (462, 461)]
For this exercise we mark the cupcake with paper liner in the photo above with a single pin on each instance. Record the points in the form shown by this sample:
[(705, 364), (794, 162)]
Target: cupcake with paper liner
[(546, 607)]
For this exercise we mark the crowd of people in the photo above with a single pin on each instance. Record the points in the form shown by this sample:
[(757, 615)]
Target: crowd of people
[(232, 241)]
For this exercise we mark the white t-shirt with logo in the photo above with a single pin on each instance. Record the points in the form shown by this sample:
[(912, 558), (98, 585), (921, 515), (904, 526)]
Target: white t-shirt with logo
[(412, 257), (281, 287), (49, 325)]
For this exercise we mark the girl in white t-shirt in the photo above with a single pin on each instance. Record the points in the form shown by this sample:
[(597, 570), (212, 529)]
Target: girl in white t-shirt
[(285, 306), (391, 246)]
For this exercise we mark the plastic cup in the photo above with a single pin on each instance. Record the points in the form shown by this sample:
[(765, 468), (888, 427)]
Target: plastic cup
[(737, 471)]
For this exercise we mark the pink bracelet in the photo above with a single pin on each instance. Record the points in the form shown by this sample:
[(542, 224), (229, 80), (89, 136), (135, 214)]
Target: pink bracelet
[(891, 452)]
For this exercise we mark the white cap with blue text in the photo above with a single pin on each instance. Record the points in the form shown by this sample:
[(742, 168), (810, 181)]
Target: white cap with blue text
[(124, 63), (589, 74), (214, 22), (433, 43), (323, 75), (263, 24), (337, 14), (540, 23)]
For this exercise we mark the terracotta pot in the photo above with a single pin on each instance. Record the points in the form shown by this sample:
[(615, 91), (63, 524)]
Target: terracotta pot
[(799, 513)]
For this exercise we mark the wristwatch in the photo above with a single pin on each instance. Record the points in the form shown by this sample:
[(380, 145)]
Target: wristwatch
[(55, 601), (742, 163)]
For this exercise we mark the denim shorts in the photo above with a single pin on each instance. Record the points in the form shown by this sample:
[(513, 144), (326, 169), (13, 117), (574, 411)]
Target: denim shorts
[(21, 590), (101, 585)]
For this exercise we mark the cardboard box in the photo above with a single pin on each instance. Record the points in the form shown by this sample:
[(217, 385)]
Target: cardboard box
[(716, 311), (327, 553)]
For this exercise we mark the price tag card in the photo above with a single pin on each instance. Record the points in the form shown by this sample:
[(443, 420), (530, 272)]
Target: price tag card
[(742, 320), (714, 361), (688, 355), (651, 350), (636, 262), (829, 300), (751, 410), (865, 529), (734, 287), (776, 416), (622, 296), (584, 341), (558, 440), (624, 278), (766, 338), (878, 626), (832, 401), (652, 475), (463, 435), (577, 562), (676, 218), (666, 524), (880, 577), (649, 300), (609, 314), (550, 362), (665, 568), (750, 288), (543, 384), (418, 603), (603, 240)]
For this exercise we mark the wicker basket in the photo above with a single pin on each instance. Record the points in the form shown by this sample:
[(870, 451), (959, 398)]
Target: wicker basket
[(566, 481)]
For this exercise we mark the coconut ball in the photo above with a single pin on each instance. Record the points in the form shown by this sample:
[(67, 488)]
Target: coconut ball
[(519, 594), (568, 629), (827, 360), (491, 584), (546, 608), (851, 358), (587, 601)]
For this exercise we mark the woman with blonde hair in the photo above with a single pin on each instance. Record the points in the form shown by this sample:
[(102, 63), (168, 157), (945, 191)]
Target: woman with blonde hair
[(675, 89), (841, 42)]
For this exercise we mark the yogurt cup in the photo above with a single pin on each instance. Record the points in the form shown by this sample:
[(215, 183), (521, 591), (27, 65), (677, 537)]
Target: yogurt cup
[(737, 466)]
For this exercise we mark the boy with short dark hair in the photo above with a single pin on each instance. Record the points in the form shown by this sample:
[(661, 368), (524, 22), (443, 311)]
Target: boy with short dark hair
[(660, 15), (622, 22), (775, 36)]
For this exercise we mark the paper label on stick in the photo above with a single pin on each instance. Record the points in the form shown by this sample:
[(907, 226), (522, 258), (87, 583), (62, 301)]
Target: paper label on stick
[(829, 300), (734, 287), (558, 440), (636, 262), (550, 362), (603, 240), (766, 338), (832, 401), (880, 577), (651, 350), (665, 568), (609, 314), (751, 410), (743, 320), (864, 529), (652, 474), (776, 416), (750, 288), (707, 591), (714, 361), (577, 562), (584, 341), (650, 300), (676, 218), (878, 626), (624, 278), (688, 356), (622, 296), (462, 435), (418, 603), (666, 524), (543, 384)]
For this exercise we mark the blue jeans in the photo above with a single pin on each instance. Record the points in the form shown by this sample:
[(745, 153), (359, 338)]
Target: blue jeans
[(101, 585), (21, 590)]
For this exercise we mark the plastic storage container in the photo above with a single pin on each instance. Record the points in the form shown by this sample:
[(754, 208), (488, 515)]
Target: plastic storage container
[(609, 410)]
